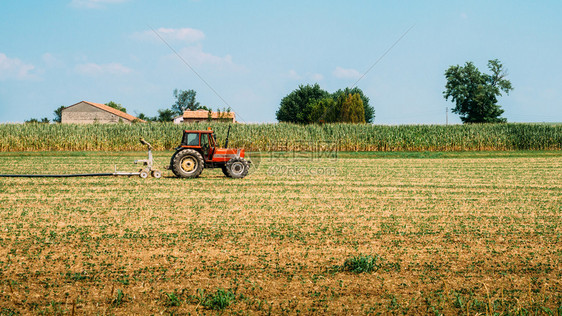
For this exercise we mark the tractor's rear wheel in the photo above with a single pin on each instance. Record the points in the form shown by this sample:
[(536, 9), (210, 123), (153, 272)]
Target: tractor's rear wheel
[(223, 168), (187, 163), (237, 168)]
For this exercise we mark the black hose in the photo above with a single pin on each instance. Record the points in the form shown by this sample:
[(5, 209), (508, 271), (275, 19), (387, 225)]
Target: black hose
[(55, 175)]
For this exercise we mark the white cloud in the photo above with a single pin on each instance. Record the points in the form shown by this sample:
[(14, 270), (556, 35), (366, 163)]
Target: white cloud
[(93, 4), (195, 56), (14, 68), (185, 34), (51, 61), (93, 70), (317, 77), (344, 73), (294, 75)]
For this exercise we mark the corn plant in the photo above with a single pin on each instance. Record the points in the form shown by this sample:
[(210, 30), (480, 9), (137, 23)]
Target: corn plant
[(285, 137)]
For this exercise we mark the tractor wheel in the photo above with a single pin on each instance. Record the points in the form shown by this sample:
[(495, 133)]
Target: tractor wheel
[(237, 168), (223, 168), (187, 163)]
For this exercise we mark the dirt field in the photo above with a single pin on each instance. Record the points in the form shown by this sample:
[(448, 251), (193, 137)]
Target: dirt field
[(391, 234)]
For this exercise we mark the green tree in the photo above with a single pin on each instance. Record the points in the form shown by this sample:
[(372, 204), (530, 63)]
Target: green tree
[(475, 94), (36, 121), (351, 108), (311, 104), (165, 115), (143, 117), (324, 111), (368, 110), (296, 107), (116, 106), (185, 100), (58, 114), (339, 107)]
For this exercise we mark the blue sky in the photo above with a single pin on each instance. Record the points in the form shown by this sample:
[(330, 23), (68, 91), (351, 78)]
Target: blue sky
[(253, 53)]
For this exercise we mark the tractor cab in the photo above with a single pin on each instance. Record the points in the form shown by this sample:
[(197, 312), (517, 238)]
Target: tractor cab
[(202, 141)]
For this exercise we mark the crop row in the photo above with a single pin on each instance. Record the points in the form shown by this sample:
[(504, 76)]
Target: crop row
[(286, 137), (388, 236)]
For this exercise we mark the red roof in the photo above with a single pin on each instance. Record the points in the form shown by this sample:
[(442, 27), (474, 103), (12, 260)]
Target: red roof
[(204, 114), (111, 110)]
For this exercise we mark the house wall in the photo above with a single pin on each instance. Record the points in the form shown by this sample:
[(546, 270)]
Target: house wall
[(83, 113), (191, 120), (197, 120)]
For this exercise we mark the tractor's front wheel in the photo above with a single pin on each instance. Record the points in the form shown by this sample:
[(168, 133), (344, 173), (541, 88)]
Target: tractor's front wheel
[(187, 163), (237, 168)]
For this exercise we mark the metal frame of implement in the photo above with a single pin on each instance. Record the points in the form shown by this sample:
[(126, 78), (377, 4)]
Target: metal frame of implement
[(143, 173)]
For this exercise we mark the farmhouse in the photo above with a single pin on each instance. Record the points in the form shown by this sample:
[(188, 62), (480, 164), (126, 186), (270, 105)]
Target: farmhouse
[(204, 116), (88, 112)]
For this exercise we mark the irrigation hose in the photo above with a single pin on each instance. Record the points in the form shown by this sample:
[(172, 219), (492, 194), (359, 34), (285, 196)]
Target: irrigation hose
[(56, 175)]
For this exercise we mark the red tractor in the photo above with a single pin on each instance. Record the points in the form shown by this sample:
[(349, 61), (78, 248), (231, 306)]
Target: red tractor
[(198, 150)]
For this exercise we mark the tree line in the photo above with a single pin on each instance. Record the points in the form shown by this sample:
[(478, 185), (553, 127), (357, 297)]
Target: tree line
[(474, 93), (185, 100), (311, 104)]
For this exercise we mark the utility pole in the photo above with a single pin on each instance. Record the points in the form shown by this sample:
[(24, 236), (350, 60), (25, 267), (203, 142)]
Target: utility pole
[(446, 115)]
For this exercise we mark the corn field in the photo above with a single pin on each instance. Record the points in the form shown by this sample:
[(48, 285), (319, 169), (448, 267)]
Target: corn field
[(285, 137)]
